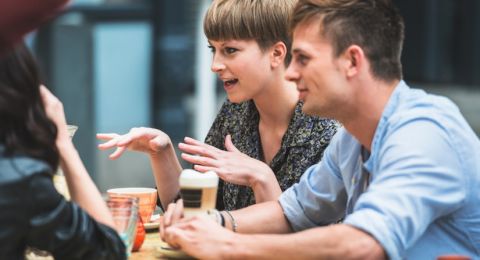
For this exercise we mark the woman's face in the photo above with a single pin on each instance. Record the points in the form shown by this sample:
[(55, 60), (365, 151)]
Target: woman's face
[(242, 66)]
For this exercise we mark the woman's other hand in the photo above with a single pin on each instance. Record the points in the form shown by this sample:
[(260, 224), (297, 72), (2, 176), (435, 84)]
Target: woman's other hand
[(141, 139), (232, 166), (171, 216)]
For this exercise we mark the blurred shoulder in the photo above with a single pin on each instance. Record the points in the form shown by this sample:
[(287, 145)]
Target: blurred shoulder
[(20, 167)]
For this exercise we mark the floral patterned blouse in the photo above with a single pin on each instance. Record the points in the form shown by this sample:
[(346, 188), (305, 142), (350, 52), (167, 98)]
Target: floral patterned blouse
[(302, 146)]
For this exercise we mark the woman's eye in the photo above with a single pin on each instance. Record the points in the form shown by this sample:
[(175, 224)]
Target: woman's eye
[(212, 49), (229, 50)]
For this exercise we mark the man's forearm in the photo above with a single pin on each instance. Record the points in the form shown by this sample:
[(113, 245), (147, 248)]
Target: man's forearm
[(268, 218), (330, 242)]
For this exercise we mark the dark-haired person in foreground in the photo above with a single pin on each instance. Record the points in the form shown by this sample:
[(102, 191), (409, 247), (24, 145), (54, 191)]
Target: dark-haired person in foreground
[(33, 141), (403, 174)]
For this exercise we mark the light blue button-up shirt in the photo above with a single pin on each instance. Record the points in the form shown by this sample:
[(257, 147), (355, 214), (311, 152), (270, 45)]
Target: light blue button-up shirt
[(424, 194)]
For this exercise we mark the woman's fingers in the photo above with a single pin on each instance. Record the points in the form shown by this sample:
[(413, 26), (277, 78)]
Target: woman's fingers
[(161, 227), (193, 142), (106, 136), (190, 140), (167, 217), (201, 160), (177, 212), (229, 144), (118, 152), (134, 134), (202, 168), (109, 144), (171, 216), (200, 150)]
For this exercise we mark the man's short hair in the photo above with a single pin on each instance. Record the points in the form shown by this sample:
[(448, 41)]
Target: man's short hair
[(265, 21), (374, 25)]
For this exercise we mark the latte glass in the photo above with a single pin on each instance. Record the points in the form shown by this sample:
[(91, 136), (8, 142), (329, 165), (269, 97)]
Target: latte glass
[(199, 191)]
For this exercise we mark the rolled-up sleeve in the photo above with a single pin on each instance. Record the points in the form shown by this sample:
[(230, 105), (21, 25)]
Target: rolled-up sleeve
[(417, 181), (64, 229), (319, 198)]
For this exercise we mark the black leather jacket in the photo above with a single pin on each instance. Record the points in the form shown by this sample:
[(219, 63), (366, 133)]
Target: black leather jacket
[(33, 213)]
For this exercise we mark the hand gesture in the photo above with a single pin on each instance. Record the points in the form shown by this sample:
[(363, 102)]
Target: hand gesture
[(200, 237), (54, 110), (171, 216), (230, 165), (140, 139)]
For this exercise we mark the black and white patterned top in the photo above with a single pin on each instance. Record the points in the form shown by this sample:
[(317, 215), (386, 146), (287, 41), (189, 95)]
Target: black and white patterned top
[(302, 146)]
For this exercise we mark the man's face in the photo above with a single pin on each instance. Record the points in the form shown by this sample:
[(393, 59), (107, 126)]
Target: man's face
[(317, 72)]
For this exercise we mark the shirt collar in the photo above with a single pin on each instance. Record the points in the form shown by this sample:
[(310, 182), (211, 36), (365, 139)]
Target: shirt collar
[(388, 111)]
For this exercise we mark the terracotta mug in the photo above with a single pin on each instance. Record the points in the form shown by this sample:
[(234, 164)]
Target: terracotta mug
[(147, 201)]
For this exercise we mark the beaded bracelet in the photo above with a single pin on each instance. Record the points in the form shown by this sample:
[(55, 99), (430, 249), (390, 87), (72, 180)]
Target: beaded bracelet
[(218, 216), (234, 223)]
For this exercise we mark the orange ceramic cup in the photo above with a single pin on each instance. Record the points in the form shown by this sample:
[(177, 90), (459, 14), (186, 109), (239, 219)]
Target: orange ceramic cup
[(147, 199)]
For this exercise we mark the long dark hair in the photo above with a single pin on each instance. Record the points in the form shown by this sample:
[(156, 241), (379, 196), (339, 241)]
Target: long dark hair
[(25, 128)]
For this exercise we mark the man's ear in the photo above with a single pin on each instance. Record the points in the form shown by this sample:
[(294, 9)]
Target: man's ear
[(354, 60), (278, 52)]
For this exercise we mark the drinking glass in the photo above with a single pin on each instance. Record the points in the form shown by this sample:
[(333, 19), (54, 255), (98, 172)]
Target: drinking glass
[(147, 198), (124, 211), (59, 180)]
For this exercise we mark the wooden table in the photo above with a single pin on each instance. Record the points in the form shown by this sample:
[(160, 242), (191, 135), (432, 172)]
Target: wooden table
[(152, 249), (149, 250)]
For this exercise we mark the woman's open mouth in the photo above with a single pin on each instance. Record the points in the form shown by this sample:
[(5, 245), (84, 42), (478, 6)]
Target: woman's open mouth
[(229, 84)]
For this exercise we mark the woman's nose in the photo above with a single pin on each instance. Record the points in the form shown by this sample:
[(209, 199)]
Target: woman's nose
[(217, 65)]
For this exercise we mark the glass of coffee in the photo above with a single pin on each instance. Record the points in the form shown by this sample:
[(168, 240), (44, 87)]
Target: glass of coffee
[(199, 191)]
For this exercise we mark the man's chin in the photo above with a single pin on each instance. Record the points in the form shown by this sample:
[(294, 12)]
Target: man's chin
[(313, 110)]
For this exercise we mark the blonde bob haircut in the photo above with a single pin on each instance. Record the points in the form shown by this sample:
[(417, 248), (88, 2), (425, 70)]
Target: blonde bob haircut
[(265, 21)]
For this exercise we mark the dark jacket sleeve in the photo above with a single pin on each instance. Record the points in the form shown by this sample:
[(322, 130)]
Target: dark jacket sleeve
[(64, 229), (18, 17)]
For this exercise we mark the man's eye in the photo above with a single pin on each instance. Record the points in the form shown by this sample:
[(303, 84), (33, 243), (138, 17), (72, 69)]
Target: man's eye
[(302, 59)]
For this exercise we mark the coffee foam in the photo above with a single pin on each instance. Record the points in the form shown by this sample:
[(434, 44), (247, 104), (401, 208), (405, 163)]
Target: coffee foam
[(192, 179), (132, 190)]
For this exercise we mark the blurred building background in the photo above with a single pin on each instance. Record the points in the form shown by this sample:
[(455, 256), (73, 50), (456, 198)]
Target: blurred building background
[(118, 64)]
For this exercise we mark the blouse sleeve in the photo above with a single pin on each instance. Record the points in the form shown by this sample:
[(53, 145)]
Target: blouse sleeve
[(64, 229)]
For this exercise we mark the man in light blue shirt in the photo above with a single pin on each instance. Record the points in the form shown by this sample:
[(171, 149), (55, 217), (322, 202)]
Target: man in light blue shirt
[(400, 181), (423, 197)]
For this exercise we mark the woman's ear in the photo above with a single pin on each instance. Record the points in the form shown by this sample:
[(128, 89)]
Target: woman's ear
[(278, 52)]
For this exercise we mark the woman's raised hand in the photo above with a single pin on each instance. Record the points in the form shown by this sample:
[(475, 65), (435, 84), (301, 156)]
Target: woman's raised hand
[(141, 139), (230, 165), (54, 110)]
